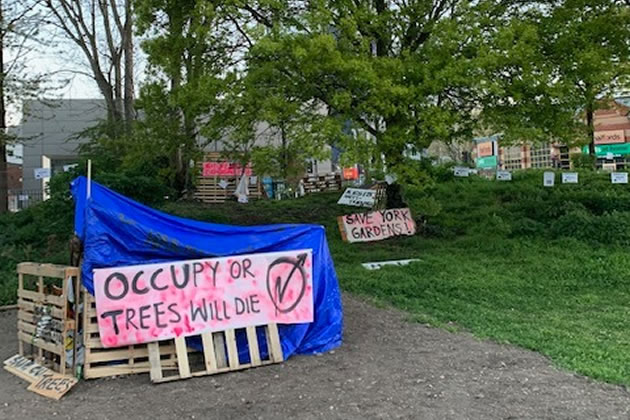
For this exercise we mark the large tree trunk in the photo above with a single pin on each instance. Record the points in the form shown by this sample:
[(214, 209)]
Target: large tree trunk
[(130, 113)]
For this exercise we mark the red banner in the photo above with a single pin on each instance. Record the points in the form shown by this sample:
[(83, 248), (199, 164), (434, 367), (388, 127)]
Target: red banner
[(225, 169)]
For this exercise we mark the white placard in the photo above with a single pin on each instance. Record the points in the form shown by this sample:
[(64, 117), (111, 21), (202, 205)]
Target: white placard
[(358, 197), (569, 177), (549, 178), (41, 173), (619, 177), (461, 171), (504, 176), (379, 264)]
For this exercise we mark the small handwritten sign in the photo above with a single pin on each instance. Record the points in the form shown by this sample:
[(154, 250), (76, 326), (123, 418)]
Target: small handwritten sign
[(549, 178), (26, 368), (461, 171), (376, 225), (378, 265), (54, 386), (358, 197), (504, 176), (619, 177), (570, 178), (145, 303)]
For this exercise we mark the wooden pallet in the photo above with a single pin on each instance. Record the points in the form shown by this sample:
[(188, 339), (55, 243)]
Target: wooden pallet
[(101, 362), (220, 354), (44, 319), (329, 182), (208, 189)]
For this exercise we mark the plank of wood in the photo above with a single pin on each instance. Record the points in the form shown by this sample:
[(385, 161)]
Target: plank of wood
[(230, 340), (26, 369), (25, 305), (41, 344), (274, 347), (155, 362), (220, 350), (41, 298), (182, 357), (342, 228), (209, 356), (44, 270), (252, 344), (54, 387)]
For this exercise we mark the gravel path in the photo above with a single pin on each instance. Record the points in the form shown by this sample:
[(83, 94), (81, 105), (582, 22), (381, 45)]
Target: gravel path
[(387, 368)]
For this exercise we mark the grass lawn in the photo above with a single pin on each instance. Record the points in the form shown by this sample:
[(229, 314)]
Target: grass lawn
[(545, 269)]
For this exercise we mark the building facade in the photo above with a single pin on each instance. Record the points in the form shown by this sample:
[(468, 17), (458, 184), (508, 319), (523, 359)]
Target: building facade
[(51, 134)]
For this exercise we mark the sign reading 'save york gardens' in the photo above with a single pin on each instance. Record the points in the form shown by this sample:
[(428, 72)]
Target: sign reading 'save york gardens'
[(376, 225), (146, 303)]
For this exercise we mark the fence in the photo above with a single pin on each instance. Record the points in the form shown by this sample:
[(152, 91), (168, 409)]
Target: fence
[(22, 199)]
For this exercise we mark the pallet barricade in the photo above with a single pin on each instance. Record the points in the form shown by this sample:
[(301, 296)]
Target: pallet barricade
[(320, 183), (101, 361), (220, 188), (48, 314), (220, 353)]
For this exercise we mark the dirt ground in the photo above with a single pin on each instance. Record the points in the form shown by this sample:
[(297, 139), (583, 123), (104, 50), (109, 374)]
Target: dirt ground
[(387, 368)]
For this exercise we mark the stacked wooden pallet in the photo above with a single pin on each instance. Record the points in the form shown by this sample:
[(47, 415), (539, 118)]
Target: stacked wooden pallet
[(319, 183), (101, 361), (45, 323), (220, 188), (220, 353)]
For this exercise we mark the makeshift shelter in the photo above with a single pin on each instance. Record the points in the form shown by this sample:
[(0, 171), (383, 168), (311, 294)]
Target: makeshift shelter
[(117, 231)]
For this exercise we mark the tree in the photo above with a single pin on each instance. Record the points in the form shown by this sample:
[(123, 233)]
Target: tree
[(587, 42), (103, 31), (404, 72), (189, 47), (550, 68), (19, 30)]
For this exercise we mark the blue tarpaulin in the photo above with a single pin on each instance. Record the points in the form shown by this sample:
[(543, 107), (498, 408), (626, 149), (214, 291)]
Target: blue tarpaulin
[(117, 231)]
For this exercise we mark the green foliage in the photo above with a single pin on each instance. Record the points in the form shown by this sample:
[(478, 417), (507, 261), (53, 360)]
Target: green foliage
[(583, 161)]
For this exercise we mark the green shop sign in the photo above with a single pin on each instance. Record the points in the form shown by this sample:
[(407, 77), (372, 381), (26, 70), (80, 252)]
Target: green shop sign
[(617, 150), (487, 162)]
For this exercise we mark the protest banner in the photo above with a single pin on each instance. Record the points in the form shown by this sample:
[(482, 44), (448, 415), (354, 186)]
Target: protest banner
[(54, 386), (504, 176), (146, 303), (230, 169), (461, 171), (569, 177), (26, 368), (376, 225), (549, 179), (358, 197), (619, 177)]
